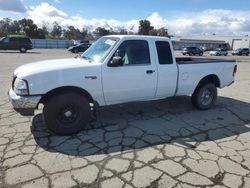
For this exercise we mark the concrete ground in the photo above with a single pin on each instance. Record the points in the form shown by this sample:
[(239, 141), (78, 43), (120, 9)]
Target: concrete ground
[(165, 143)]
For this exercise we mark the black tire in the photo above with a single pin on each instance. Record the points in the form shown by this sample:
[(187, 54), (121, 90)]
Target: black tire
[(225, 55), (66, 113), (75, 51), (201, 54), (247, 54), (204, 96), (23, 50)]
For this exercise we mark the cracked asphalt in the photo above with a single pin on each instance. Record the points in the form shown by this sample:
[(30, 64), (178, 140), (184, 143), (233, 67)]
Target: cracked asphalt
[(159, 144)]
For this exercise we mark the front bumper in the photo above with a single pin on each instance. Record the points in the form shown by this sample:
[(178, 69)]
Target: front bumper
[(25, 105)]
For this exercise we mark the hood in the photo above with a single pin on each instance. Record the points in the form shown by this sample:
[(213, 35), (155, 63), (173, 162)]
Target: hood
[(52, 65)]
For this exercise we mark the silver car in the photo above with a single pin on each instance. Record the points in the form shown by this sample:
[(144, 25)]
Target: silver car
[(218, 52)]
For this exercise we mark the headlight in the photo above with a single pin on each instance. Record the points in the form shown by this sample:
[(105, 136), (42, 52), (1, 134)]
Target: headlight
[(21, 87)]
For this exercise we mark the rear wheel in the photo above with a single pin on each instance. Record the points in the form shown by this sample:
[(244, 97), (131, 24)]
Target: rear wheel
[(23, 50), (204, 96), (67, 113)]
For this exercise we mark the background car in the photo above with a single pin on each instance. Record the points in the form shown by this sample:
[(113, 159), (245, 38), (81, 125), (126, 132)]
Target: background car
[(16, 43), (192, 51), (79, 48), (76, 42), (241, 51), (218, 52)]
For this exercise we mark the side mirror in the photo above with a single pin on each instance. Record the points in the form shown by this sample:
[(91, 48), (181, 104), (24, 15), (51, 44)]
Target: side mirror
[(116, 62)]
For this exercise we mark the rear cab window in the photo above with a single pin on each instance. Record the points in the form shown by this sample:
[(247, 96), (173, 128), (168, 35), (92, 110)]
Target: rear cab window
[(164, 52)]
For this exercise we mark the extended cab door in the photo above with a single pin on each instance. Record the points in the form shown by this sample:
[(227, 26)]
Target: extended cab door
[(167, 69), (136, 79)]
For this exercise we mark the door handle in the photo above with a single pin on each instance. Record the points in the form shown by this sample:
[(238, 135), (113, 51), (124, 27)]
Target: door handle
[(150, 71), (91, 77)]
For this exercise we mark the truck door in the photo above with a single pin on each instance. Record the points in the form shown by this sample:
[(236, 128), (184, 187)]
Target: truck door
[(14, 44), (136, 79), (167, 70)]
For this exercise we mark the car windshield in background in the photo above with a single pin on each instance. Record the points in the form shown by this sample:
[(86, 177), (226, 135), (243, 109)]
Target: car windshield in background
[(100, 49)]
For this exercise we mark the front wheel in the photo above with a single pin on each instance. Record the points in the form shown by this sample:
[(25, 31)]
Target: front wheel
[(204, 96), (66, 113), (75, 51)]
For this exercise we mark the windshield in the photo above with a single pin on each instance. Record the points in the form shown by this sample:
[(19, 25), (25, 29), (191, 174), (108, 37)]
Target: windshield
[(100, 49)]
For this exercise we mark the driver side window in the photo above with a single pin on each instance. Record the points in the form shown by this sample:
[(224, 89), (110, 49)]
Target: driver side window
[(134, 52)]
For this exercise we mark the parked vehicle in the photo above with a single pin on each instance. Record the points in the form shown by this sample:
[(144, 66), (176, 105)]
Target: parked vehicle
[(79, 48), (218, 52), (76, 42), (192, 51), (241, 51), (115, 69), (16, 43)]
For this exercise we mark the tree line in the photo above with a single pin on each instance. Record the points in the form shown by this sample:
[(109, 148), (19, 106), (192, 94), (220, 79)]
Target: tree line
[(28, 28)]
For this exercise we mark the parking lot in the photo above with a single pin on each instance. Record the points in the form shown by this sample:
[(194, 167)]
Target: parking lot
[(166, 143)]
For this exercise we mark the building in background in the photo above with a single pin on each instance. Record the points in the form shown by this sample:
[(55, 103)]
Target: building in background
[(209, 42)]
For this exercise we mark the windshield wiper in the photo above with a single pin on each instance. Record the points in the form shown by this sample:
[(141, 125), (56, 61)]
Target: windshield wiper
[(84, 57)]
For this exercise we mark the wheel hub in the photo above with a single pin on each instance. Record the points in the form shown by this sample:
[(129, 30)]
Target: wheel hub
[(68, 114), (206, 97)]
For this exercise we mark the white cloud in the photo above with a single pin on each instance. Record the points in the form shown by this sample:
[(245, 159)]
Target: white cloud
[(12, 6), (209, 21), (46, 14), (219, 21), (45, 9), (157, 21)]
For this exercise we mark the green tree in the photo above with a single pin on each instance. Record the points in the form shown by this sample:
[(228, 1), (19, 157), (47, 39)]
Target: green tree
[(29, 28), (56, 31), (15, 27), (100, 31), (144, 27), (163, 32), (3, 32), (73, 33), (153, 32), (123, 32)]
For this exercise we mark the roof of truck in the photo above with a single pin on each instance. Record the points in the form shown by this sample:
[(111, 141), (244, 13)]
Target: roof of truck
[(138, 37)]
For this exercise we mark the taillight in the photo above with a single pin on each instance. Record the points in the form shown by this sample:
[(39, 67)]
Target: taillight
[(235, 70)]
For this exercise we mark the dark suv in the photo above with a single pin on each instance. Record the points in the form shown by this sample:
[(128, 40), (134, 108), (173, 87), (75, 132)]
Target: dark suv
[(241, 51), (16, 43), (192, 51)]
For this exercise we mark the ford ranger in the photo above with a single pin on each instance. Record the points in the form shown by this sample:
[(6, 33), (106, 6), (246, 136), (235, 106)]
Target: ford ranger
[(115, 69)]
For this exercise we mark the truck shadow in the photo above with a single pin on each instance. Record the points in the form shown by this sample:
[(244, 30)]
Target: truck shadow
[(145, 124)]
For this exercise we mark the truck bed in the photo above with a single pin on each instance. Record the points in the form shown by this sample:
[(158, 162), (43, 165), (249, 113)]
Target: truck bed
[(189, 60)]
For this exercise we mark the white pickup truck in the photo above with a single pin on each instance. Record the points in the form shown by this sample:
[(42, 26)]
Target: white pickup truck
[(115, 69)]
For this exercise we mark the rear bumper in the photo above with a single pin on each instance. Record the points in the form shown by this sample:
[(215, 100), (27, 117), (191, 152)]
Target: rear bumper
[(25, 105)]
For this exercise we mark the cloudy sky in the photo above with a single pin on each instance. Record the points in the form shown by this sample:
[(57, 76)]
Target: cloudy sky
[(181, 17)]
